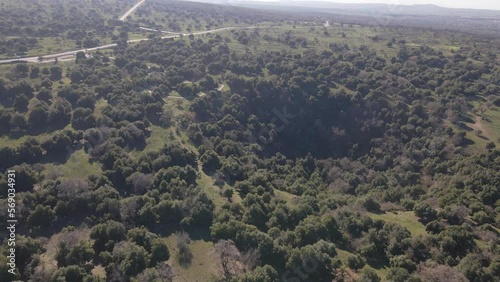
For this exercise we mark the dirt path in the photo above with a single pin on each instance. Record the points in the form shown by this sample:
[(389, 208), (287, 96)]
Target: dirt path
[(124, 17)]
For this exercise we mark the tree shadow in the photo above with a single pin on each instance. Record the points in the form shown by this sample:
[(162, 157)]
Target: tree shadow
[(379, 263), (202, 233), (56, 227), (56, 158), (463, 126), (165, 229), (468, 142), (483, 137), (35, 131)]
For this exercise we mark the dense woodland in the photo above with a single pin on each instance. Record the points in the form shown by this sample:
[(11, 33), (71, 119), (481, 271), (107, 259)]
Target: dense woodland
[(295, 153)]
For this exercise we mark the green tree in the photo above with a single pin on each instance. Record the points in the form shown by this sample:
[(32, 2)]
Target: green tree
[(210, 161), (80, 254), (398, 275), (56, 73), (21, 103), (41, 216), (355, 262), (490, 146), (425, 212), (472, 267), (26, 177), (38, 116), (70, 273), (105, 235), (264, 273), (159, 251), (130, 258), (368, 275)]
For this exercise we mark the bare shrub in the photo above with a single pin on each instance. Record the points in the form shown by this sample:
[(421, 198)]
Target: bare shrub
[(433, 272), (250, 259), (162, 272), (72, 189), (184, 255), (72, 236), (140, 182), (228, 259)]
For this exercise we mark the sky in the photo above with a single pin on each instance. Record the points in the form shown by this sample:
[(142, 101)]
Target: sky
[(474, 4)]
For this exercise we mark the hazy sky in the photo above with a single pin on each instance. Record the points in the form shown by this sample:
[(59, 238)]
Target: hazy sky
[(476, 4)]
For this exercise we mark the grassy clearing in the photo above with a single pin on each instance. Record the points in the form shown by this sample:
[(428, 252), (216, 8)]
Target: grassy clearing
[(491, 123), (486, 123), (99, 107), (406, 219), (47, 45), (178, 105), (156, 141), (201, 269), (445, 47), (287, 197), (159, 138), (318, 38), (381, 272), (77, 166), (9, 141), (343, 255), (471, 134), (213, 191), (479, 141), (481, 244), (138, 35)]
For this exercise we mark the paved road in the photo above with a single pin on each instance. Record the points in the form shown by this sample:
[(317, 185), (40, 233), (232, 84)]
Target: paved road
[(124, 17), (51, 57), (176, 35), (156, 30)]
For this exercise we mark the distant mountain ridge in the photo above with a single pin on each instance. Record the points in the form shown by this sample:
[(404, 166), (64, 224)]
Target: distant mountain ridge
[(429, 16), (382, 8)]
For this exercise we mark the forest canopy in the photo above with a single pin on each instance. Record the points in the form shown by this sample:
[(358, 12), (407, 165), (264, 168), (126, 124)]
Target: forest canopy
[(281, 149)]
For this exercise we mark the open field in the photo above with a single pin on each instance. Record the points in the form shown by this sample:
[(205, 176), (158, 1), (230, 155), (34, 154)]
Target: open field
[(406, 219), (77, 166), (203, 266)]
